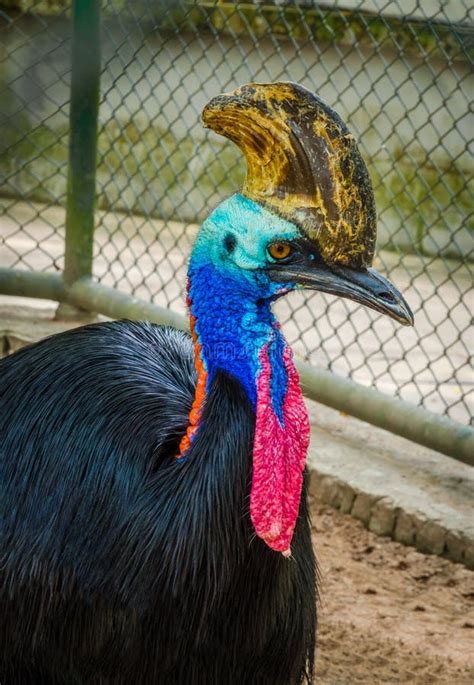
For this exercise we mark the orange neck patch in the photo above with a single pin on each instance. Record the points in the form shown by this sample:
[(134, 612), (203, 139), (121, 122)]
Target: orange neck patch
[(196, 409)]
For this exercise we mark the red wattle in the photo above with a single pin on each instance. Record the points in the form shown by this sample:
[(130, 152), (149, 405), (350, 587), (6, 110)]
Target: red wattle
[(279, 454)]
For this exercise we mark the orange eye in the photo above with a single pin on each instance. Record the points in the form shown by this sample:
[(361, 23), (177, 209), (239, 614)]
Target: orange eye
[(279, 250)]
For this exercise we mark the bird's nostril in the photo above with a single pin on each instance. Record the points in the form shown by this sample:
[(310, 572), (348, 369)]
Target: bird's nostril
[(388, 297)]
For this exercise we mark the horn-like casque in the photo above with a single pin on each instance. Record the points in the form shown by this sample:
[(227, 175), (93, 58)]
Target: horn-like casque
[(303, 164)]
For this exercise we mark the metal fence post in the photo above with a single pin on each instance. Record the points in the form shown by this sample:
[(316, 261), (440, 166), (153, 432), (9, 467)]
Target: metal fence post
[(83, 117)]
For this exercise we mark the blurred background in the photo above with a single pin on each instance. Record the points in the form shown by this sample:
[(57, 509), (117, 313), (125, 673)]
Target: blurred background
[(399, 73)]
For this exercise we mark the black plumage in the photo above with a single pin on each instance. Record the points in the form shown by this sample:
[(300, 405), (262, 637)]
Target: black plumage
[(120, 563)]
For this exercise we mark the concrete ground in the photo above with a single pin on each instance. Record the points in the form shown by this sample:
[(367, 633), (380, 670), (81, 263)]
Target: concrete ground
[(394, 487)]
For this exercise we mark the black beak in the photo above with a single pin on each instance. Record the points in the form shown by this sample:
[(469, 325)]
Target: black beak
[(366, 286)]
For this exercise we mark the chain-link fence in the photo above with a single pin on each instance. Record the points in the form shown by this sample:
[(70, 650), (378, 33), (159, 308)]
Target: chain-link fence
[(397, 71)]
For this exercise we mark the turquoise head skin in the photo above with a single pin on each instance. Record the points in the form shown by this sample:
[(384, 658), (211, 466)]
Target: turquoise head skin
[(235, 238), (230, 293)]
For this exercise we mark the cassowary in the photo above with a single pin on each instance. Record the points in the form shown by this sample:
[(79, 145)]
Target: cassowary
[(153, 511)]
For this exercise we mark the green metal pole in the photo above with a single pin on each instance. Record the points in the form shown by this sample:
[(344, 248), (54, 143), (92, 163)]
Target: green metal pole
[(399, 417), (83, 117), (32, 284), (117, 305)]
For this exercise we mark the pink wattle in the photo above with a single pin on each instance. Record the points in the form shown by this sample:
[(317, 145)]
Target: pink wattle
[(279, 454)]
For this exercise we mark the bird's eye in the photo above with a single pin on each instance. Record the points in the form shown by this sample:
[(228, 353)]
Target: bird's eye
[(279, 250), (230, 243)]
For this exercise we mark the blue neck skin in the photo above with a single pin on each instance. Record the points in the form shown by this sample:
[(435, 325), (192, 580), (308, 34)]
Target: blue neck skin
[(232, 327), (230, 297)]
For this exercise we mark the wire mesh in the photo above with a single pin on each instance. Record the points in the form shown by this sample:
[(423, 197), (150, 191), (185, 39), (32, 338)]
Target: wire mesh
[(398, 72)]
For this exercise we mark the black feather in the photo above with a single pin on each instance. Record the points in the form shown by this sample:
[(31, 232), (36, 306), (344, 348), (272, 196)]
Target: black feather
[(119, 563)]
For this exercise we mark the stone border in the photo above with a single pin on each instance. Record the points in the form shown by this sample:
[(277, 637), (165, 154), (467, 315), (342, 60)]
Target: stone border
[(383, 517)]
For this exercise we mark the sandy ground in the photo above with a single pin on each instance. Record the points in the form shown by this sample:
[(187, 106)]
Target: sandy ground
[(389, 614)]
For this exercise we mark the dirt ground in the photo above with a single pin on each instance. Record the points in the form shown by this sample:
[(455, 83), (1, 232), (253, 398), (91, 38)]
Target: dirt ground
[(389, 614)]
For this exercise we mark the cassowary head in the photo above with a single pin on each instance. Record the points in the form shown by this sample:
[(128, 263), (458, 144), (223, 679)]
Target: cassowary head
[(305, 219), (306, 216)]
